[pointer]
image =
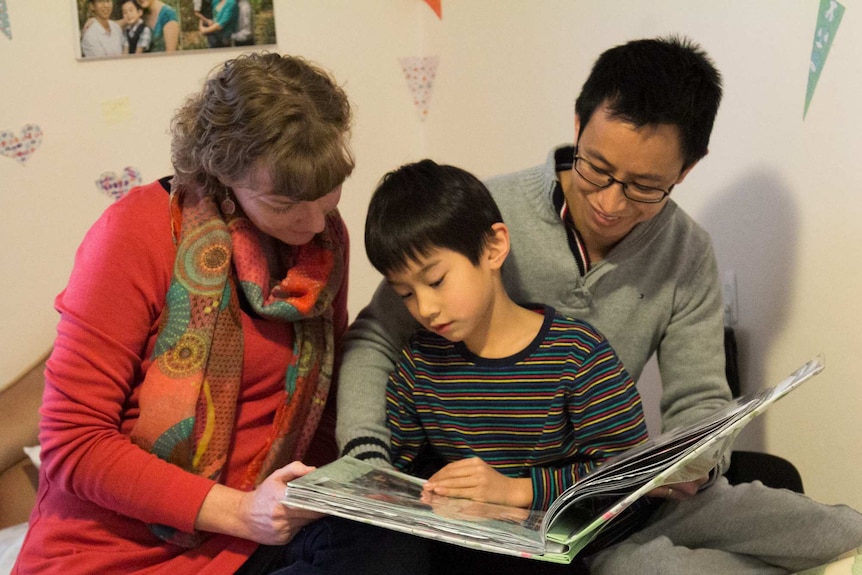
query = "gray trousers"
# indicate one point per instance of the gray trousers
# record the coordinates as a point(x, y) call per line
point(739, 530)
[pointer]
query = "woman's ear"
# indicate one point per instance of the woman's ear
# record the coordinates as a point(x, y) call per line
point(497, 246)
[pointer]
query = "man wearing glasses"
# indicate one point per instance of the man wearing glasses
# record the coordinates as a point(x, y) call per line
point(595, 234)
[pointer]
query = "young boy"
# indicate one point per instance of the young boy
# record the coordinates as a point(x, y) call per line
point(136, 35)
point(519, 403)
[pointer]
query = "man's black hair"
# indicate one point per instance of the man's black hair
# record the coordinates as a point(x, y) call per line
point(657, 81)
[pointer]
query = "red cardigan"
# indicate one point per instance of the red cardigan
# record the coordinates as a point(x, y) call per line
point(97, 490)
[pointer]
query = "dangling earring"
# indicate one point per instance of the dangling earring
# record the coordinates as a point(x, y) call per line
point(228, 207)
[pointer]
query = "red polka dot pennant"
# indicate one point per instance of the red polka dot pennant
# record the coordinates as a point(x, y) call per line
point(420, 72)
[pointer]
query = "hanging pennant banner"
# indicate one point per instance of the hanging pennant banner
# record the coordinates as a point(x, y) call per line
point(117, 187)
point(4, 20)
point(437, 6)
point(420, 72)
point(828, 19)
point(20, 147)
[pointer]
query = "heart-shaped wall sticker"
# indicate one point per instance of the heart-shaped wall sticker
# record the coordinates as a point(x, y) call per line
point(118, 186)
point(20, 147)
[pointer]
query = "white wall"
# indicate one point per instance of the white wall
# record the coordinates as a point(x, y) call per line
point(777, 193)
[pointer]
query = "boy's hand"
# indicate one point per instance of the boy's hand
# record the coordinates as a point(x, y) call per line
point(474, 479)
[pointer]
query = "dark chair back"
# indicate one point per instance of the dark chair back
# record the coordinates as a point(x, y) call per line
point(747, 466)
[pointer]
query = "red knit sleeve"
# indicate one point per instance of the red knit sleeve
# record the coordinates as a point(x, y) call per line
point(109, 316)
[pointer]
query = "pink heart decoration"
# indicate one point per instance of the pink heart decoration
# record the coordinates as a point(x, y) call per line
point(117, 187)
point(20, 148)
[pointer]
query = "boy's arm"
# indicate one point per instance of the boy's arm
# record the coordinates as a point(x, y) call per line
point(408, 435)
point(473, 478)
point(145, 40)
point(606, 417)
point(371, 348)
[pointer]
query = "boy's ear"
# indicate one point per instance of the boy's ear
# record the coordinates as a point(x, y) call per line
point(497, 248)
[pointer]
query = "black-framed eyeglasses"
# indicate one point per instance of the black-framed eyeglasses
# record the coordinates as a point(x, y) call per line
point(632, 190)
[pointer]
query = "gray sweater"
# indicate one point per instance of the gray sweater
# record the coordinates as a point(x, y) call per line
point(656, 291)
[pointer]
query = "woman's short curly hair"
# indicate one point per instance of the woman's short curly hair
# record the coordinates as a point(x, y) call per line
point(264, 111)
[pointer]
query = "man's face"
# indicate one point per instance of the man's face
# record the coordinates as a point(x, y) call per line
point(103, 9)
point(650, 155)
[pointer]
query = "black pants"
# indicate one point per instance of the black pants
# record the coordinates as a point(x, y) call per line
point(335, 546)
point(455, 560)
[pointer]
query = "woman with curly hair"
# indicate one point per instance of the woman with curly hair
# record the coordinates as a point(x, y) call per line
point(198, 337)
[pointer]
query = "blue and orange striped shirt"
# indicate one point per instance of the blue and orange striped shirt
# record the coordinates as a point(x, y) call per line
point(552, 412)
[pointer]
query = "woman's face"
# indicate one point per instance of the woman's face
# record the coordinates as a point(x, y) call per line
point(292, 222)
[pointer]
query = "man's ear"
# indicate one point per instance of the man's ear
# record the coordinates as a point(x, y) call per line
point(577, 128)
point(497, 246)
point(685, 172)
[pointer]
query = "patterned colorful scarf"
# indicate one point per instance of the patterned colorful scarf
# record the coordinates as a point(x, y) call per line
point(189, 395)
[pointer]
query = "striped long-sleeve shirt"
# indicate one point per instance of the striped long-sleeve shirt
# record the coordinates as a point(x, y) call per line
point(551, 412)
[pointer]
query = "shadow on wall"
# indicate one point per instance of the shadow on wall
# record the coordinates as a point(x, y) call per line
point(754, 225)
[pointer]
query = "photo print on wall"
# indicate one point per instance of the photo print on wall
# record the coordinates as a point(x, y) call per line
point(124, 28)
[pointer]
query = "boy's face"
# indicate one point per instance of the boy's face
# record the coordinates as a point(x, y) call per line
point(447, 294)
point(131, 14)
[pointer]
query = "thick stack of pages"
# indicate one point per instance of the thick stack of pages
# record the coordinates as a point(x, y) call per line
point(357, 490)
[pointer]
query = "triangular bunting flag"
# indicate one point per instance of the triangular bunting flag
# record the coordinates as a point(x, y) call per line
point(420, 72)
point(437, 6)
point(828, 19)
point(4, 20)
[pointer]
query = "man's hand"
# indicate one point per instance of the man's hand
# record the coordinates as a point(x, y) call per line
point(679, 491)
point(472, 478)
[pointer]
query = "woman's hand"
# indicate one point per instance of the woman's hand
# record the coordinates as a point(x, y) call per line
point(257, 515)
point(472, 478)
point(269, 520)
